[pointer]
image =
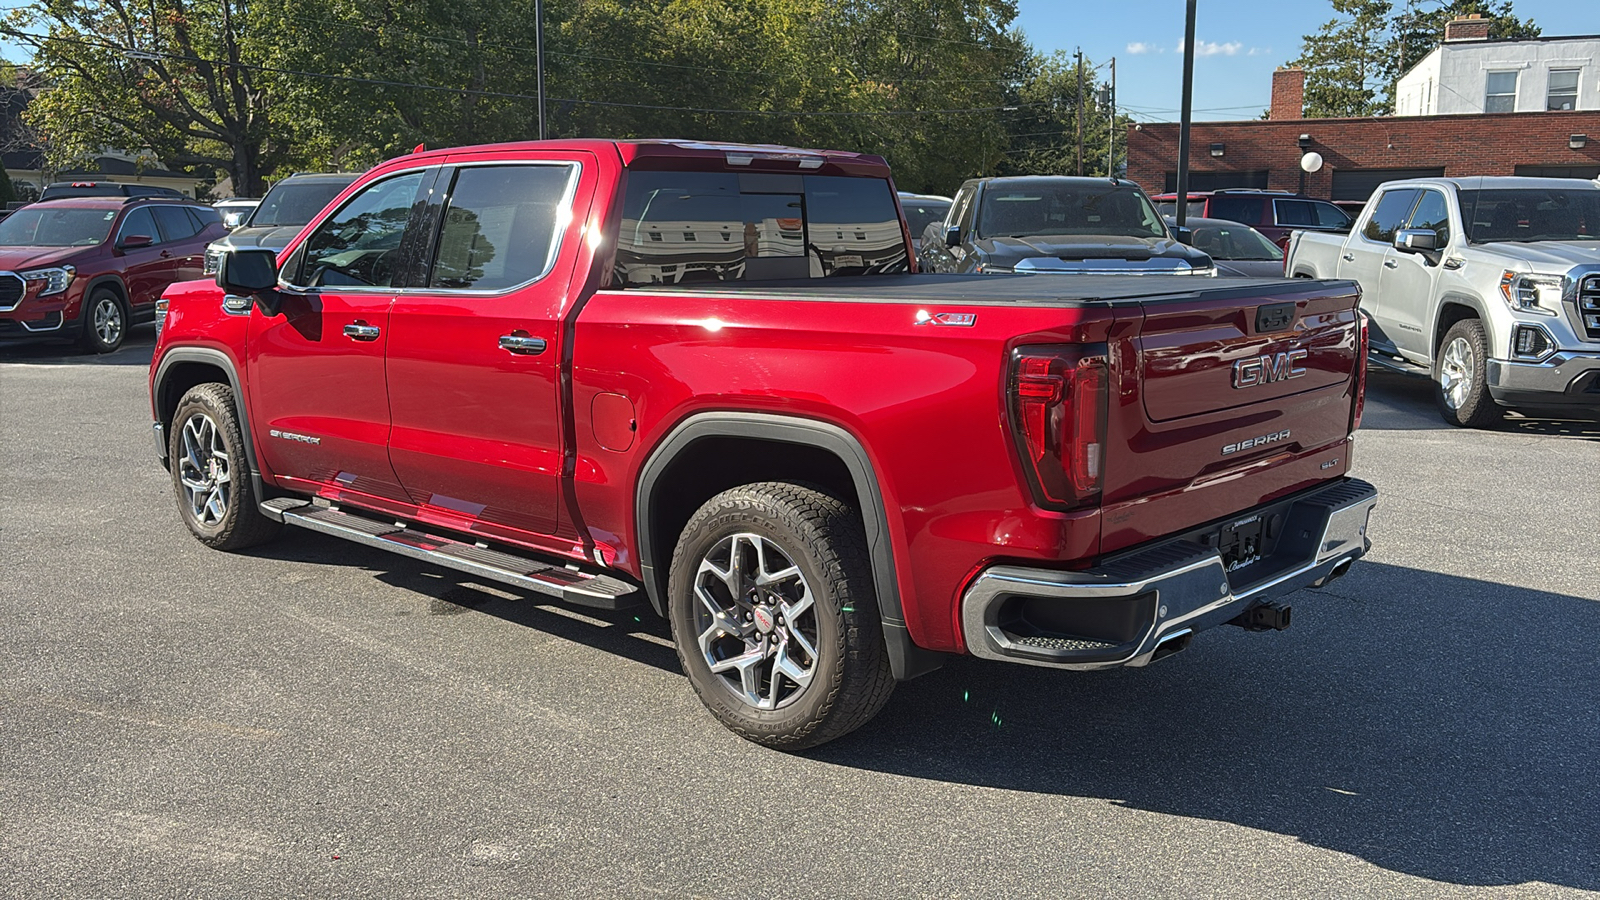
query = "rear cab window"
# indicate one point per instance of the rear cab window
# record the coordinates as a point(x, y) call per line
point(697, 227)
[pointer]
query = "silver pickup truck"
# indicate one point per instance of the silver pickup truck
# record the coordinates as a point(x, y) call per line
point(1492, 285)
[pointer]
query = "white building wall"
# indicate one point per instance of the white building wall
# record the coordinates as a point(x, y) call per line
point(1459, 73)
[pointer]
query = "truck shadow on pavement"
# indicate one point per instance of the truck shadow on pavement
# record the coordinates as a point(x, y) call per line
point(1437, 726)
point(1398, 402)
point(136, 350)
point(636, 633)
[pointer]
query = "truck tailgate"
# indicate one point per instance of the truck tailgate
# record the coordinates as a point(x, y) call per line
point(1227, 398)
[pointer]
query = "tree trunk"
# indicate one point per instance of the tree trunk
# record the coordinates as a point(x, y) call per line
point(246, 170)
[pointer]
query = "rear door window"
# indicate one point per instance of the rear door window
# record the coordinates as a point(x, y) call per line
point(1295, 213)
point(688, 227)
point(1330, 216)
point(1236, 209)
point(502, 225)
point(175, 222)
point(1391, 212)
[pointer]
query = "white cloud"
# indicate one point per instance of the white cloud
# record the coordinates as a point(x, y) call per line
point(1211, 48)
point(1139, 47)
point(1259, 51)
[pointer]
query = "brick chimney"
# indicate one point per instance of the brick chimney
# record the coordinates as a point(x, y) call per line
point(1467, 28)
point(1288, 94)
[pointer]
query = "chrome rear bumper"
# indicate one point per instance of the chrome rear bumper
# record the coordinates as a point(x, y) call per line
point(1121, 613)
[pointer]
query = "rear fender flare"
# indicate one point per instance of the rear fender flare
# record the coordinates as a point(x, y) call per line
point(906, 658)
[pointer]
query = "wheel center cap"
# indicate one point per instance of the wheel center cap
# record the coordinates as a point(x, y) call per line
point(764, 619)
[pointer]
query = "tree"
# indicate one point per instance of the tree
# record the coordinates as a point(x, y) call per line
point(1042, 135)
point(1345, 61)
point(176, 77)
point(1353, 62)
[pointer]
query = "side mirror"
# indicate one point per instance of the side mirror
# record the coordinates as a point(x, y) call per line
point(135, 241)
point(1416, 240)
point(1183, 234)
point(252, 274)
point(952, 236)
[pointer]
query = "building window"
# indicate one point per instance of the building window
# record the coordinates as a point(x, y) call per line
point(1501, 96)
point(1563, 92)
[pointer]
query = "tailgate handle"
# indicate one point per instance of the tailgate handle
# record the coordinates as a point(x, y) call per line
point(1274, 317)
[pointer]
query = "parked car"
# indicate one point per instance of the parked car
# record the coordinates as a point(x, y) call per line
point(1236, 248)
point(490, 359)
point(235, 210)
point(280, 215)
point(1273, 213)
point(88, 268)
point(923, 210)
point(60, 189)
point(1057, 224)
point(1490, 285)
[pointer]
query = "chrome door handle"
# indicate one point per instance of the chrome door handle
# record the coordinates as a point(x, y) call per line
point(1390, 264)
point(521, 344)
point(360, 331)
point(1348, 257)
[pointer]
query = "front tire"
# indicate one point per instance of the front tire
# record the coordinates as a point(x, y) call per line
point(105, 322)
point(211, 474)
point(1461, 377)
point(775, 617)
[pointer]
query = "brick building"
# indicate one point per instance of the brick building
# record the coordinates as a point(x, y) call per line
point(1359, 154)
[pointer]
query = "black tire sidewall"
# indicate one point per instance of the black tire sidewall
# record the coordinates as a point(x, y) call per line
point(214, 401)
point(1479, 409)
point(91, 338)
point(748, 514)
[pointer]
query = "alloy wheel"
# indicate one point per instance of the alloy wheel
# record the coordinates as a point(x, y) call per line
point(205, 471)
point(756, 620)
point(1455, 372)
point(108, 321)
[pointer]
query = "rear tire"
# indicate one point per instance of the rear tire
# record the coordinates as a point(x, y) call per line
point(775, 618)
point(105, 322)
point(1461, 377)
point(211, 473)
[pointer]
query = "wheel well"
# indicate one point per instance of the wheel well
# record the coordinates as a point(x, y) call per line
point(179, 379)
point(1450, 314)
point(712, 465)
point(114, 286)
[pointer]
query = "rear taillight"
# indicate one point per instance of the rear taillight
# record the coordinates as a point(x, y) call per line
point(1361, 374)
point(1058, 399)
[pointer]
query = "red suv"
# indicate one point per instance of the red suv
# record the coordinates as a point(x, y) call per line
point(86, 268)
point(1273, 213)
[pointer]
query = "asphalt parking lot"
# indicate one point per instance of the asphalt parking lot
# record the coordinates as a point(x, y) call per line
point(317, 719)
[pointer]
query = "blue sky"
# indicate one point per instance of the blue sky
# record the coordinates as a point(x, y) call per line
point(1239, 43)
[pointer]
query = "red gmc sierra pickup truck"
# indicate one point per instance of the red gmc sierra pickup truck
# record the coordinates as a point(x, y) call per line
point(707, 377)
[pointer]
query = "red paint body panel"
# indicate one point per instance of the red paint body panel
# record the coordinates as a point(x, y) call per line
point(547, 450)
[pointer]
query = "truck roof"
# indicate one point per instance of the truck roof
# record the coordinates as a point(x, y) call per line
point(1501, 182)
point(724, 153)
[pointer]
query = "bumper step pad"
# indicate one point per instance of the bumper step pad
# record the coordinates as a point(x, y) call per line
point(562, 582)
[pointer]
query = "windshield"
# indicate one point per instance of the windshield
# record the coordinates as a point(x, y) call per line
point(1234, 242)
point(45, 226)
point(1532, 214)
point(295, 202)
point(922, 213)
point(1042, 208)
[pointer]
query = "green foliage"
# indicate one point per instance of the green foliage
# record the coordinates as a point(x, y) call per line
point(8, 191)
point(945, 89)
point(1353, 61)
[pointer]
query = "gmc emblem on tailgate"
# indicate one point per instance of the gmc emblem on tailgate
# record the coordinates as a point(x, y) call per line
point(1267, 369)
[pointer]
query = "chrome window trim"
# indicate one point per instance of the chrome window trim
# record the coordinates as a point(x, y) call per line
point(283, 283)
point(557, 240)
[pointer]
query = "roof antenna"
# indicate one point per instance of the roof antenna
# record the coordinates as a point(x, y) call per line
point(419, 148)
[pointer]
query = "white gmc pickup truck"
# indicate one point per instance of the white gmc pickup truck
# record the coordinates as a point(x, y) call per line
point(1490, 284)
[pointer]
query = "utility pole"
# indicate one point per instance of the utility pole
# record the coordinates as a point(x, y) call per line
point(538, 54)
point(1111, 126)
point(1079, 116)
point(1183, 126)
